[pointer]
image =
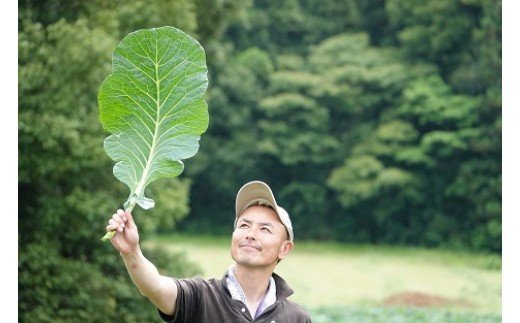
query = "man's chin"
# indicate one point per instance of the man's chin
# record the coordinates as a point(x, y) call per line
point(246, 261)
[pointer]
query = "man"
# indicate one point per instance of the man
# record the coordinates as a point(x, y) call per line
point(249, 290)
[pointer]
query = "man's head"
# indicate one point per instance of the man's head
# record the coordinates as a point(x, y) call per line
point(259, 193)
point(263, 232)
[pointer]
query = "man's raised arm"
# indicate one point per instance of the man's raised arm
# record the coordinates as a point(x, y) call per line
point(160, 290)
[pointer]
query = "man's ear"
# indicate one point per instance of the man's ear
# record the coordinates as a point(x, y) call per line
point(285, 248)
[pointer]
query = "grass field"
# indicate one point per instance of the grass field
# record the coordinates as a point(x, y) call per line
point(371, 282)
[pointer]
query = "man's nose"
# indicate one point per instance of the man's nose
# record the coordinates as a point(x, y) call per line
point(251, 233)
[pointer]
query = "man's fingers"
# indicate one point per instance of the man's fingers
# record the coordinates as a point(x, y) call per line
point(117, 222)
point(121, 214)
point(111, 227)
point(120, 220)
point(129, 220)
point(114, 225)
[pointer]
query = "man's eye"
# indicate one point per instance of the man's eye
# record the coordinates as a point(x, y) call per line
point(266, 229)
point(243, 225)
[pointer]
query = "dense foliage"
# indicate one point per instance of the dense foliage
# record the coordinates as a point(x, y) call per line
point(375, 121)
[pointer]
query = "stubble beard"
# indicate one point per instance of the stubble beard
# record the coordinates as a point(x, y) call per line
point(243, 260)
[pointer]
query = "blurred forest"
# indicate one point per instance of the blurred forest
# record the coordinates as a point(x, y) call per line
point(373, 121)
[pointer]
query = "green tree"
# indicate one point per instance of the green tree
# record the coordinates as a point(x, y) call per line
point(326, 110)
point(377, 185)
point(65, 186)
point(457, 137)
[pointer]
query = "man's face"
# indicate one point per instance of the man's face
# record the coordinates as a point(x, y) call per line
point(259, 239)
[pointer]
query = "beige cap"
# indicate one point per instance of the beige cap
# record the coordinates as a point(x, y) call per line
point(259, 193)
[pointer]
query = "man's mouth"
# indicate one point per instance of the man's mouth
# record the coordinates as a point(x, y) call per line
point(249, 245)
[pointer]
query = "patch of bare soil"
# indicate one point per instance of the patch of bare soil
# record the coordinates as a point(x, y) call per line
point(418, 299)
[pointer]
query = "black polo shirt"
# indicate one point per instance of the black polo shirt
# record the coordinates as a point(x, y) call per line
point(209, 301)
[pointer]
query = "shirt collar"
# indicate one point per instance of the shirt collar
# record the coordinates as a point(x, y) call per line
point(238, 294)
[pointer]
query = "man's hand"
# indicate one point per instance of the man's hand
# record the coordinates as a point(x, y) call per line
point(127, 238)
